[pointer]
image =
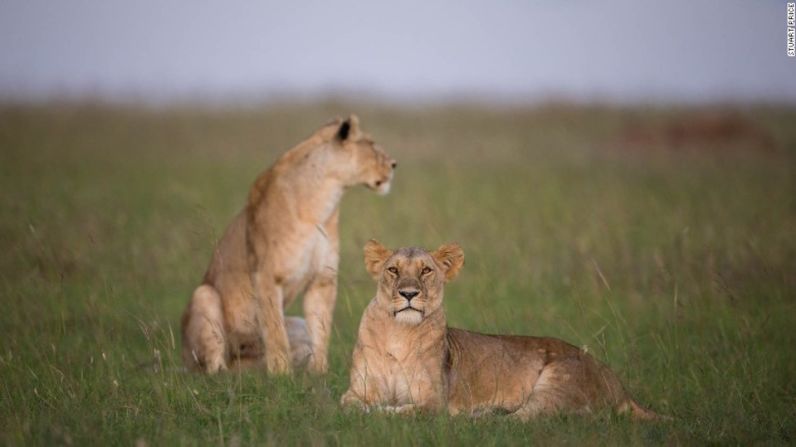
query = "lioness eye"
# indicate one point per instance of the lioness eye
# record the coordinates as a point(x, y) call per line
point(393, 270)
point(426, 270)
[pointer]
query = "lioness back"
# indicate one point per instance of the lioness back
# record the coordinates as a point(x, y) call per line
point(502, 371)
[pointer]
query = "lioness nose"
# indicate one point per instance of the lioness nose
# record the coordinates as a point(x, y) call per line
point(408, 293)
point(394, 164)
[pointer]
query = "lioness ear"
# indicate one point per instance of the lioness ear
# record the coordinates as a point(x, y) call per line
point(349, 129)
point(329, 130)
point(375, 257)
point(451, 258)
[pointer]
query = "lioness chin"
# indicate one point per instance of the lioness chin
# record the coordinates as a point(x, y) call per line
point(283, 243)
point(407, 359)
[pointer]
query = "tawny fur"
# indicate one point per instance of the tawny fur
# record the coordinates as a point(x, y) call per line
point(407, 359)
point(283, 243)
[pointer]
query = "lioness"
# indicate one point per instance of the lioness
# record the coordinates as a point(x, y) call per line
point(407, 359)
point(284, 242)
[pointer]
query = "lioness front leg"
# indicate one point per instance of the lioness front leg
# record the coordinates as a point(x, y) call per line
point(271, 318)
point(364, 391)
point(319, 303)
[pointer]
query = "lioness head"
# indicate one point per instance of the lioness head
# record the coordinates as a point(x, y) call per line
point(411, 280)
point(366, 163)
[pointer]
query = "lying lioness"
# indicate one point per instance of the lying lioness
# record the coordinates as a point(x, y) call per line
point(407, 359)
point(283, 243)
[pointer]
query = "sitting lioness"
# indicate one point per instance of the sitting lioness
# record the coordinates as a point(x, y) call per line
point(407, 359)
point(284, 242)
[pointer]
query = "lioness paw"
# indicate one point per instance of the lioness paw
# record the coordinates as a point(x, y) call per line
point(397, 409)
point(351, 400)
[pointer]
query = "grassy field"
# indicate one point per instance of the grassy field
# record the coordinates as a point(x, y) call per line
point(670, 255)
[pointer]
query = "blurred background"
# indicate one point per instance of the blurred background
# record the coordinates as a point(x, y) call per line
point(619, 173)
point(513, 51)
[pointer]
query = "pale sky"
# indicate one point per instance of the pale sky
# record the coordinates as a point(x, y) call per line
point(676, 50)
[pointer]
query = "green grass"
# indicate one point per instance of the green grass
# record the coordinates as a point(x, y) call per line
point(677, 267)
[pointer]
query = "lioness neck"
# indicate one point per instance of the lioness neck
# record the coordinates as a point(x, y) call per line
point(400, 340)
point(306, 180)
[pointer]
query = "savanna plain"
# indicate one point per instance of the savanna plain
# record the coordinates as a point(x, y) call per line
point(660, 239)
